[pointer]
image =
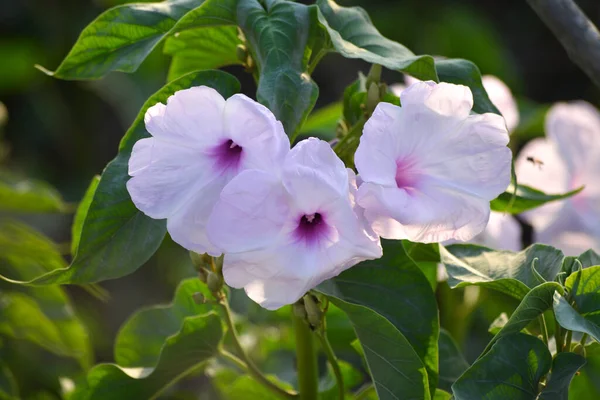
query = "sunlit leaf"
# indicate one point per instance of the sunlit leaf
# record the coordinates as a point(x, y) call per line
point(121, 38)
point(586, 384)
point(526, 198)
point(564, 367)
point(81, 213)
point(505, 271)
point(28, 196)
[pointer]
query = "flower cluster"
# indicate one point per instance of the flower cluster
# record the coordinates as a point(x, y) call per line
point(223, 175)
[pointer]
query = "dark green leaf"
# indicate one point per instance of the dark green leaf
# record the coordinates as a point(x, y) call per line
point(281, 35)
point(121, 38)
point(427, 258)
point(570, 319)
point(354, 36)
point(505, 271)
point(117, 238)
point(43, 315)
point(452, 362)
point(196, 342)
point(201, 48)
point(564, 367)
point(141, 338)
point(512, 369)
point(395, 288)
point(525, 198)
point(28, 196)
point(533, 305)
point(81, 213)
point(589, 259)
point(394, 365)
point(464, 72)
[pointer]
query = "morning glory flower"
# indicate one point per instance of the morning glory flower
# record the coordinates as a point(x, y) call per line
point(284, 232)
point(200, 141)
point(568, 158)
point(430, 168)
point(499, 94)
point(502, 232)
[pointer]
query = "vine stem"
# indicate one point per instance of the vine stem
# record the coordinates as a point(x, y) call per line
point(544, 329)
point(247, 364)
point(568, 341)
point(583, 339)
point(306, 359)
point(333, 362)
point(558, 337)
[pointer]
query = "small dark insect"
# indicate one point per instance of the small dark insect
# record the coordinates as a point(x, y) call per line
point(535, 161)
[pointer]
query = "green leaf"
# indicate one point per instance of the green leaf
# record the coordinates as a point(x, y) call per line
point(452, 362)
point(43, 315)
point(8, 384)
point(533, 305)
point(505, 271)
point(28, 196)
point(395, 288)
point(232, 386)
point(81, 213)
point(570, 319)
point(201, 48)
point(589, 258)
point(427, 258)
point(464, 72)
point(323, 122)
point(139, 342)
point(196, 342)
point(281, 35)
point(525, 198)
point(564, 367)
point(586, 384)
point(441, 395)
point(512, 369)
point(393, 363)
point(354, 36)
point(121, 38)
point(116, 238)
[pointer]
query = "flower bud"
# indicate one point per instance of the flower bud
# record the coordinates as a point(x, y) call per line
point(299, 310)
point(214, 282)
point(314, 313)
point(372, 97)
point(199, 298)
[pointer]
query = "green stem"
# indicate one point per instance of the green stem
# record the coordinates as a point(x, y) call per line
point(247, 364)
point(326, 346)
point(544, 329)
point(558, 336)
point(306, 360)
point(583, 339)
point(568, 342)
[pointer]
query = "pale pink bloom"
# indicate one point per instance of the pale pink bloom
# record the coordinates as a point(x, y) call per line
point(568, 158)
point(199, 142)
point(284, 233)
point(574, 243)
point(502, 232)
point(501, 96)
point(430, 168)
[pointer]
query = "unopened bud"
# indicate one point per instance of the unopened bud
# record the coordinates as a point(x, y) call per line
point(241, 52)
point(214, 282)
point(314, 313)
point(200, 261)
point(202, 275)
point(299, 310)
point(372, 97)
point(199, 298)
point(374, 75)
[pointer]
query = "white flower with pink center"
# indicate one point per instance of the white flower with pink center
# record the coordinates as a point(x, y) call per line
point(200, 141)
point(285, 231)
point(568, 158)
point(430, 168)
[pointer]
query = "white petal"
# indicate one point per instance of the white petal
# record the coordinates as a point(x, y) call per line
point(165, 176)
point(314, 176)
point(380, 145)
point(192, 117)
point(187, 226)
point(502, 232)
point(254, 127)
point(250, 213)
point(575, 128)
point(443, 98)
point(540, 166)
point(501, 96)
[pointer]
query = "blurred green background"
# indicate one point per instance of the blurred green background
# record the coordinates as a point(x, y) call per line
point(65, 132)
